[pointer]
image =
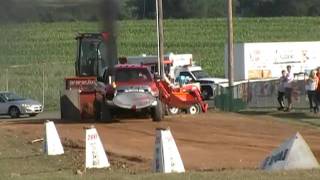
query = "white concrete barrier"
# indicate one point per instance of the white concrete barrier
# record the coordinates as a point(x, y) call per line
point(95, 154)
point(166, 156)
point(294, 153)
point(52, 144)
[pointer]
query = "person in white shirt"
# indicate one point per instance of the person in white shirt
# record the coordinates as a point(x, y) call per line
point(281, 90)
point(311, 85)
point(288, 87)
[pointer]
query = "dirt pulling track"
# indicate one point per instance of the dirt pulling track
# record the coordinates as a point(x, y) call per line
point(214, 140)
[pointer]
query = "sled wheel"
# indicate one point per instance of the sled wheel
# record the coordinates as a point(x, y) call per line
point(194, 109)
point(173, 110)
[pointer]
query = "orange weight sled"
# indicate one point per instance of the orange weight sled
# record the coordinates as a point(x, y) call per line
point(181, 97)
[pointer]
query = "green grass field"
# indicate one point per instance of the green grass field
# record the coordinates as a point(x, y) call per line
point(53, 44)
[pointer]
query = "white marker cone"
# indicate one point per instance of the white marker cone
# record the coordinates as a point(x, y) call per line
point(52, 144)
point(95, 155)
point(166, 156)
point(294, 153)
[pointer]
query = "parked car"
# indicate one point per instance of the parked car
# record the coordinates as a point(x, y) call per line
point(14, 105)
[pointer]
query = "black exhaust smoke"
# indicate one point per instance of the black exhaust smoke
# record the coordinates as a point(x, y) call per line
point(109, 14)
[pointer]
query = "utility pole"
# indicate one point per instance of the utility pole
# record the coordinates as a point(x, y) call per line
point(43, 86)
point(230, 54)
point(230, 44)
point(160, 37)
point(7, 79)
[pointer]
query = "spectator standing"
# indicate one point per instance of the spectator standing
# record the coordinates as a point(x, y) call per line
point(281, 90)
point(288, 88)
point(318, 87)
point(311, 87)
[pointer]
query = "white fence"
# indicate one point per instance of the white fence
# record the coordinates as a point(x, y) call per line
point(41, 82)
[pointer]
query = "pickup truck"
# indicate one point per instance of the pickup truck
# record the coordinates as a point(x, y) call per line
point(133, 89)
point(197, 74)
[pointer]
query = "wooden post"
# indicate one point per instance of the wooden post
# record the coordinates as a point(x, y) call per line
point(160, 37)
point(230, 44)
point(230, 55)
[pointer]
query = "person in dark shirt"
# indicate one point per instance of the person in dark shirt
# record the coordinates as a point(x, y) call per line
point(281, 90)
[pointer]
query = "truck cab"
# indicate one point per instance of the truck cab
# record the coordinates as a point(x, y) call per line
point(134, 78)
point(94, 54)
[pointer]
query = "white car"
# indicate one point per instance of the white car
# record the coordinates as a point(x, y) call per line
point(14, 105)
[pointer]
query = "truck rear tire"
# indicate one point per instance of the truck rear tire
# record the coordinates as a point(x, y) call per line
point(103, 112)
point(157, 113)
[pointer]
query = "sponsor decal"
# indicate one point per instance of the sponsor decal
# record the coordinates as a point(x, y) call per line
point(281, 156)
point(80, 83)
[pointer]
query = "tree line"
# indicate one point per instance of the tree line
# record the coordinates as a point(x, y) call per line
point(90, 10)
